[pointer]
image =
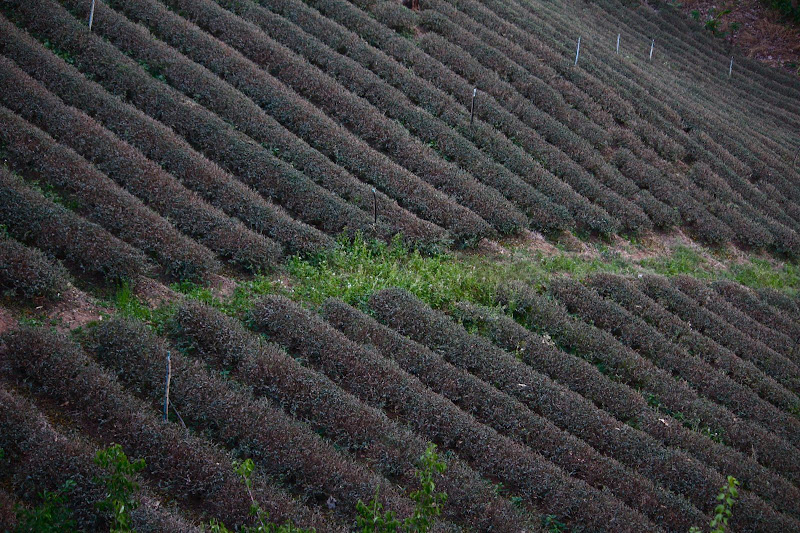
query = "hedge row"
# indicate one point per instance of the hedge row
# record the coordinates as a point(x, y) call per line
point(684, 383)
point(133, 171)
point(565, 408)
point(236, 152)
point(192, 471)
point(85, 247)
point(381, 134)
point(595, 371)
point(705, 321)
point(284, 449)
point(160, 144)
point(241, 110)
point(495, 118)
point(616, 78)
point(380, 382)
point(38, 457)
point(625, 293)
point(362, 431)
point(509, 417)
point(446, 141)
point(782, 301)
point(28, 273)
point(535, 143)
point(39, 158)
point(739, 319)
point(571, 143)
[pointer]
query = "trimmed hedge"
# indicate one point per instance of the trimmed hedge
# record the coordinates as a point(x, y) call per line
point(238, 153)
point(716, 302)
point(380, 382)
point(565, 408)
point(513, 155)
point(133, 171)
point(28, 273)
point(625, 293)
point(379, 132)
point(160, 144)
point(707, 322)
point(39, 158)
point(510, 417)
point(85, 247)
point(221, 97)
point(445, 140)
point(685, 383)
point(38, 457)
point(283, 448)
point(596, 382)
point(362, 431)
point(781, 301)
point(192, 471)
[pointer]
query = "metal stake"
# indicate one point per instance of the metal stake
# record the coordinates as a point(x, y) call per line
point(652, 45)
point(91, 16)
point(618, 36)
point(578, 51)
point(730, 68)
point(166, 388)
point(472, 107)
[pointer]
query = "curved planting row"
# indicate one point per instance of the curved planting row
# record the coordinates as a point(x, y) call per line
point(28, 273)
point(716, 303)
point(85, 247)
point(489, 74)
point(558, 403)
point(363, 431)
point(509, 417)
point(625, 293)
point(446, 141)
point(241, 110)
point(707, 322)
point(665, 362)
point(95, 196)
point(196, 474)
point(517, 156)
point(594, 379)
point(381, 133)
point(772, 317)
point(283, 449)
point(37, 457)
point(133, 171)
point(378, 382)
point(236, 152)
point(159, 143)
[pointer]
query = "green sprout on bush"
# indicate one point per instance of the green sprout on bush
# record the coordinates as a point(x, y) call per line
point(52, 515)
point(372, 518)
point(727, 497)
point(119, 485)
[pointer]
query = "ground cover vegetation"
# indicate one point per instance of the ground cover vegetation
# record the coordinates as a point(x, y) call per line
point(356, 265)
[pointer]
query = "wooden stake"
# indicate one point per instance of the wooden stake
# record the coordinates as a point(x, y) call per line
point(472, 107)
point(375, 207)
point(166, 388)
point(91, 16)
point(578, 51)
point(652, 45)
point(618, 36)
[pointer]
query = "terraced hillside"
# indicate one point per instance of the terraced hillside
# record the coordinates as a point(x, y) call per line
point(313, 210)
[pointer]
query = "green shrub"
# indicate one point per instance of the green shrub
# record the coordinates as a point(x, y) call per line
point(51, 516)
point(120, 488)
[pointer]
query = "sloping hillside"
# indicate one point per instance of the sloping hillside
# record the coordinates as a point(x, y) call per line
point(558, 240)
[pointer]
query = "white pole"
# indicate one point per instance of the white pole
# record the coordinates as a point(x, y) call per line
point(578, 51)
point(472, 107)
point(618, 36)
point(91, 16)
point(652, 45)
point(730, 68)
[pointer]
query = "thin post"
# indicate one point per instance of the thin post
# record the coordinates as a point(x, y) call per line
point(578, 51)
point(472, 107)
point(166, 388)
point(375, 207)
point(730, 68)
point(652, 45)
point(618, 36)
point(91, 15)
